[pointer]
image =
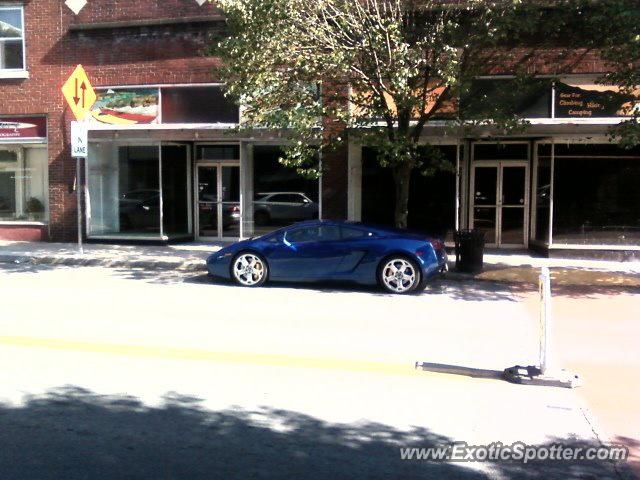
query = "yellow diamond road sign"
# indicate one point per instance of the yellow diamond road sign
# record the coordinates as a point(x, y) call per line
point(79, 93)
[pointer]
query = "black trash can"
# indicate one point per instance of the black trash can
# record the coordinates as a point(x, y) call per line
point(469, 250)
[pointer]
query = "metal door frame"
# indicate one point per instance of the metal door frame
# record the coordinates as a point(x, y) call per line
point(196, 198)
point(500, 166)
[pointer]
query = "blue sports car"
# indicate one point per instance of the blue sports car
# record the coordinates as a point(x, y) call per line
point(398, 261)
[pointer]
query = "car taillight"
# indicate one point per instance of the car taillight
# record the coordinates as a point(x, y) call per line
point(437, 244)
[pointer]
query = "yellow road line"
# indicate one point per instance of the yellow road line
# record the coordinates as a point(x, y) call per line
point(243, 358)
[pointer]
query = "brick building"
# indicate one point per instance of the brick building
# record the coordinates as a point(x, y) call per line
point(165, 165)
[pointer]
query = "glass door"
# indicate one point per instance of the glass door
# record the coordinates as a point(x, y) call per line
point(513, 202)
point(218, 201)
point(499, 202)
point(230, 200)
point(485, 202)
point(207, 208)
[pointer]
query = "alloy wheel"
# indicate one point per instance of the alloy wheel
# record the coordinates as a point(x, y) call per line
point(249, 269)
point(399, 275)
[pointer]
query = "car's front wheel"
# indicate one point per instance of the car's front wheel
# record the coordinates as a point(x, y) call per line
point(249, 269)
point(399, 275)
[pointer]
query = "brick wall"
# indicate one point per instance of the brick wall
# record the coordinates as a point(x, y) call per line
point(36, 96)
point(128, 55)
point(104, 11)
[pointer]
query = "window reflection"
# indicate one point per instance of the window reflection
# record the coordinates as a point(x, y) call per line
point(281, 196)
point(596, 200)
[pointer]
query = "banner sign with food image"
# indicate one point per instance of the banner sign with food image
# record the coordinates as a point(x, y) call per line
point(126, 106)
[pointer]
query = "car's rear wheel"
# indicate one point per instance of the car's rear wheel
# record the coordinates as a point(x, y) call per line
point(249, 269)
point(399, 274)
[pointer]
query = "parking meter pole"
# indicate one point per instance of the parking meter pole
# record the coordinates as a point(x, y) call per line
point(79, 205)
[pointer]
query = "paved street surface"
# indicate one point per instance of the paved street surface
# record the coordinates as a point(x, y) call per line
point(121, 373)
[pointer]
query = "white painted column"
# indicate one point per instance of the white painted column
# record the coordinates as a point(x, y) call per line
point(354, 185)
point(246, 188)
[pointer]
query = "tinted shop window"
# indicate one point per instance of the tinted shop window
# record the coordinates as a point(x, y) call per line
point(218, 152)
point(197, 105)
point(526, 99)
point(596, 201)
point(23, 184)
point(431, 198)
point(124, 190)
point(281, 195)
point(11, 39)
point(594, 150)
point(175, 192)
point(501, 151)
point(543, 197)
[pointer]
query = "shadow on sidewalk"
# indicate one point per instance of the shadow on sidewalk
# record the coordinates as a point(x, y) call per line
point(456, 288)
point(71, 433)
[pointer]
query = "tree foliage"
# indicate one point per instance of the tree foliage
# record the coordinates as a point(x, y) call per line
point(382, 69)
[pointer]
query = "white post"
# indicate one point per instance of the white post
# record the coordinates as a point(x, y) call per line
point(545, 318)
point(79, 150)
point(79, 206)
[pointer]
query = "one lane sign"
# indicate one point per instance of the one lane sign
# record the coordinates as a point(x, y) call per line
point(79, 140)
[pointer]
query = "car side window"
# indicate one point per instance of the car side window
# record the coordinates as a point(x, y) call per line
point(306, 234)
point(314, 234)
point(329, 232)
point(354, 233)
point(286, 198)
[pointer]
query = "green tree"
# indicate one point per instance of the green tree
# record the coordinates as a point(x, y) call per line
point(618, 25)
point(382, 69)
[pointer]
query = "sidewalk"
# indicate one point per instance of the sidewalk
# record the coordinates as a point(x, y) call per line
point(508, 268)
point(566, 273)
point(187, 257)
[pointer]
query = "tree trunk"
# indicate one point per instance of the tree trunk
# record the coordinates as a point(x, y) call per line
point(402, 177)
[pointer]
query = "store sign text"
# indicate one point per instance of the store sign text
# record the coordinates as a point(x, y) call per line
point(23, 127)
point(576, 102)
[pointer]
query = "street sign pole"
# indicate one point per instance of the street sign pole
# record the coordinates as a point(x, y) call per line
point(79, 150)
point(79, 205)
point(80, 97)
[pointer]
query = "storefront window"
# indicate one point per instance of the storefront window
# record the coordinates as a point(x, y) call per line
point(23, 184)
point(432, 198)
point(281, 196)
point(596, 198)
point(526, 98)
point(125, 198)
point(543, 193)
point(175, 190)
point(197, 105)
point(124, 190)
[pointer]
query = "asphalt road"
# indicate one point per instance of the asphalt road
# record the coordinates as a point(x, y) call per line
point(133, 374)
